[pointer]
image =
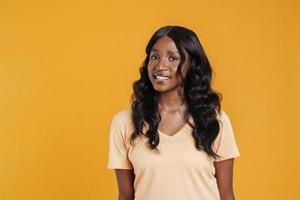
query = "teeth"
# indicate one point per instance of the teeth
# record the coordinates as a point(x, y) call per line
point(162, 77)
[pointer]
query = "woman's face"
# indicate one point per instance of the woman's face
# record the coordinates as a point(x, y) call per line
point(164, 59)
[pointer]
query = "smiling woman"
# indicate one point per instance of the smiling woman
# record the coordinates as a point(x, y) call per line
point(175, 142)
point(163, 64)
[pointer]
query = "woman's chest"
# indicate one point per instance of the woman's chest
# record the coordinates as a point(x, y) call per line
point(173, 155)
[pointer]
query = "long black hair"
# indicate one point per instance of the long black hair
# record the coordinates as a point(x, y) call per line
point(202, 101)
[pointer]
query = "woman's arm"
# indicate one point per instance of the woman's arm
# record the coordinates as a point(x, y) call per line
point(125, 179)
point(224, 176)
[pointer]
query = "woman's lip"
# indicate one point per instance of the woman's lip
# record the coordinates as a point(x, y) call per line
point(161, 79)
point(154, 75)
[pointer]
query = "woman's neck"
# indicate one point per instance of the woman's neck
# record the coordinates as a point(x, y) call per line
point(171, 102)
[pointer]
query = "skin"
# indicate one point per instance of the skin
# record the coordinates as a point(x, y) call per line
point(164, 59)
point(125, 180)
point(224, 176)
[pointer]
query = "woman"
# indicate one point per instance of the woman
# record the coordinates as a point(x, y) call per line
point(175, 142)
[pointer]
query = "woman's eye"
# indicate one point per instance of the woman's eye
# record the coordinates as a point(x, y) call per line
point(154, 57)
point(173, 58)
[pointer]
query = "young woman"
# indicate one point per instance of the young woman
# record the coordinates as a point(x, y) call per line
point(175, 142)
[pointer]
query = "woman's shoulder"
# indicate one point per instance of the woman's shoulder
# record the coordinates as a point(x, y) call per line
point(122, 114)
point(121, 130)
point(123, 117)
point(223, 117)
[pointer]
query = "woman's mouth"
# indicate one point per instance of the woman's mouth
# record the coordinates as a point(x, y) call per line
point(160, 77)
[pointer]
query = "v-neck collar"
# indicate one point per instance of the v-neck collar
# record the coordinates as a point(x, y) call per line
point(175, 135)
point(181, 133)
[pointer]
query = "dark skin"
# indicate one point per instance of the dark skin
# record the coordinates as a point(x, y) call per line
point(162, 66)
point(125, 179)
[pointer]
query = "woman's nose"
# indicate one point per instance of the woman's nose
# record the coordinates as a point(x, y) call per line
point(161, 64)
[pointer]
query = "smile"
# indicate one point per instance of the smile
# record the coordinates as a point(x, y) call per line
point(161, 77)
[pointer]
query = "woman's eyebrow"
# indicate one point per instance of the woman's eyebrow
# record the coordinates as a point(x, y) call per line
point(172, 52)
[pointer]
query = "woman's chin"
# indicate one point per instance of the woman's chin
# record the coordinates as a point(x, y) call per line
point(160, 89)
point(164, 89)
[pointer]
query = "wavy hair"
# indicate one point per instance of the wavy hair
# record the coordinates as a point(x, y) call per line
point(203, 102)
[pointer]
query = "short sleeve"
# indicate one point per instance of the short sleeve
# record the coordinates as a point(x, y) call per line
point(118, 152)
point(226, 146)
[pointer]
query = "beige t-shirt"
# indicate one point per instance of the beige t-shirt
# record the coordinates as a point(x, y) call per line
point(179, 171)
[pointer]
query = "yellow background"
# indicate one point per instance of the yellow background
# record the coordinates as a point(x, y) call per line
point(67, 66)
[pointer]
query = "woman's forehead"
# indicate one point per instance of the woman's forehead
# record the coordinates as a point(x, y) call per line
point(165, 43)
point(157, 50)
